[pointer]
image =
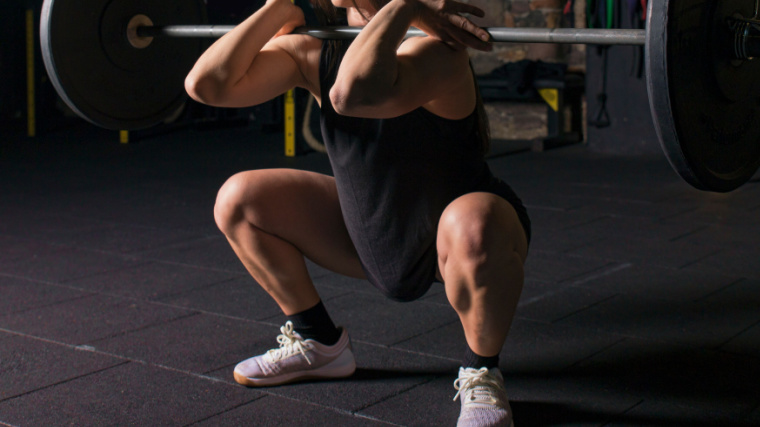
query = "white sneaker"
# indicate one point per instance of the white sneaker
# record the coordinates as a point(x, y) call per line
point(484, 399)
point(297, 359)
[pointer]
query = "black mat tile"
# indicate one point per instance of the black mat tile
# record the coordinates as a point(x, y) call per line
point(724, 236)
point(200, 343)
point(545, 240)
point(152, 280)
point(746, 342)
point(642, 228)
point(28, 364)
point(376, 319)
point(129, 394)
point(68, 264)
point(636, 209)
point(447, 342)
point(657, 282)
point(636, 192)
point(553, 200)
point(20, 295)
point(737, 262)
point(754, 417)
point(657, 412)
point(722, 211)
point(619, 206)
point(42, 225)
point(741, 293)
point(196, 220)
point(428, 404)
point(745, 294)
point(535, 290)
point(122, 238)
point(279, 411)
point(552, 399)
point(6, 335)
point(213, 252)
point(14, 250)
point(89, 318)
point(128, 205)
point(553, 219)
point(552, 267)
point(701, 324)
point(555, 305)
point(536, 348)
point(712, 381)
point(241, 297)
point(626, 248)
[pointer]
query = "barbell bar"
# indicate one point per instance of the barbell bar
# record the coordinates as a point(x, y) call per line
point(121, 63)
point(498, 34)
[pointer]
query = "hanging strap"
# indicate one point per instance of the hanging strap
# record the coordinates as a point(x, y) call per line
point(602, 118)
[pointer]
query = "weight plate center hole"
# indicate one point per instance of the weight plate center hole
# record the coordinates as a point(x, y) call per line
point(134, 38)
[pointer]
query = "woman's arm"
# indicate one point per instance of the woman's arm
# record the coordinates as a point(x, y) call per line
point(251, 64)
point(381, 77)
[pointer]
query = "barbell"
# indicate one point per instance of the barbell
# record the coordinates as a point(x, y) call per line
point(120, 64)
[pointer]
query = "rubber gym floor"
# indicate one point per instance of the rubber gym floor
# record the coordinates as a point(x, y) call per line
point(121, 303)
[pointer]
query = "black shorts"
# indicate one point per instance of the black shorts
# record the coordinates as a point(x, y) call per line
point(420, 282)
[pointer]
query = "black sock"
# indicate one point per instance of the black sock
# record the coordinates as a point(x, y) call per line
point(316, 324)
point(472, 360)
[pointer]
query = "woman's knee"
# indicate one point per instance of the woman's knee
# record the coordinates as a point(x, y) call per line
point(479, 230)
point(230, 202)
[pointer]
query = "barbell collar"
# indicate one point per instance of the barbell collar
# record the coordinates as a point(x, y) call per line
point(498, 34)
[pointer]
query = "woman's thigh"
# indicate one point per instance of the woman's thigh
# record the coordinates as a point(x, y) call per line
point(299, 207)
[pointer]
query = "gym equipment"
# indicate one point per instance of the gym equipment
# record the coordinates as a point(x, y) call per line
point(120, 64)
point(105, 79)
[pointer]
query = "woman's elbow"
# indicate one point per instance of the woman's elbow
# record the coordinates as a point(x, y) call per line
point(339, 98)
point(204, 89)
point(351, 100)
point(195, 88)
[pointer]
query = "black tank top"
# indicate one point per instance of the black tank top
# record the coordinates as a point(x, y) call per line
point(394, 178)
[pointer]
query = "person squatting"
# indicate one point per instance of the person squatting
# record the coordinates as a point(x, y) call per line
point(411, 201)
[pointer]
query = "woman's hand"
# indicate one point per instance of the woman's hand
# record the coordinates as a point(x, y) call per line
point(442, 20)
point(295, 18)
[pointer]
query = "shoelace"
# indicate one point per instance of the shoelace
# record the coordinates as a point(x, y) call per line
point(477, 386)
point(290, 343)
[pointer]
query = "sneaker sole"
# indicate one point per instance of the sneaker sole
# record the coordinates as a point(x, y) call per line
point(343, 366)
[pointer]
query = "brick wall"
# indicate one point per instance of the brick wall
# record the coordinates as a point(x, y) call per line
point(526, 121)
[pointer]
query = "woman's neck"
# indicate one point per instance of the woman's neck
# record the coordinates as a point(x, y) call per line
point(358, 17)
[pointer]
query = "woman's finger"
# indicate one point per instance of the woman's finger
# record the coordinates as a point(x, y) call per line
point(470, 34)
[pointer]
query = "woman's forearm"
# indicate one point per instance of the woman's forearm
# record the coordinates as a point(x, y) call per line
point(370, 66)
point(226, 62)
